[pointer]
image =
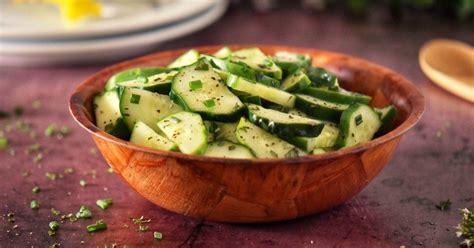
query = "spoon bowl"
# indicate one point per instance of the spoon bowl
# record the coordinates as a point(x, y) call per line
point(449, 64)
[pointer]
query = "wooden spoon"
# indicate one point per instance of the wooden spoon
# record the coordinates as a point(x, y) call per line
point(449, 64)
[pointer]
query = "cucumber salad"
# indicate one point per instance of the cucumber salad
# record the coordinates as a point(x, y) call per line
point(238, 104)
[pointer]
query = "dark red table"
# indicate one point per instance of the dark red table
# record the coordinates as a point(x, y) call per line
point(434, 162)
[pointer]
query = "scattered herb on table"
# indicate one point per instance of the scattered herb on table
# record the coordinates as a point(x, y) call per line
point(444, 205)
point(54, 225)
point(141, 223)
point(84, 213)
point(3, 143)
point(51, 176)
point(38, 158)
point(55, 212)
point(36, 104)
point(34, 204)
point(158, 235)
point(11, 217)
point(466, 228)
point(99, 225)
point(65, 130)
point(83, 183)
point(68, 170)
point(18, 110)
point(104, 203)
point(36, 189)
point(50, 130)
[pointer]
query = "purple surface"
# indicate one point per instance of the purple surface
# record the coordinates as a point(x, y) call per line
point(434, 162)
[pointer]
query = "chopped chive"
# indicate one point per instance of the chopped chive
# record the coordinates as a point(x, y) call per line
point(358, 120)
point(83, 183)
point(444, 205)
point(50, 130)
point(36, 189)
point(209, 103)
point(55, 212)
point(84, 213)
point(54, 225)
point(3, 143)
point(135, 99)
point(195, 85)
point(34, 204)
point(51, 176)
point(99, 225)
point(201, 65)
point(104, 203)
point(158, 235)
point(18, 110)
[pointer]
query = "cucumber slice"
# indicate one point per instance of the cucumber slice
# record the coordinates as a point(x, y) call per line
point(159, 83)
point(243, 70)
point(187, 130)
point(132, 74)
point(327, 138)
point(198, 88)
point(266, 92)
point(215, 62)
point(189, 57)
point(223, 53)
point(295, 82)
point(222, 74)
point(358, 125)
point(145, 136)
point(338, 95)
point(283, 124)
point(227, 149)
point(226, 131)
point(387, 116)
point(148, 107)
point(291, 62)
point(264, 144)
point(320, 109)
point(107, 115)
point(322, 78)
point(257, 60)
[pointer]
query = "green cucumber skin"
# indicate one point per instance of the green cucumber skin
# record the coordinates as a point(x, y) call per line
point(250, 74)
point(387, 120)
point(252, 99)
point(322, 78)
point(215, 62)
point(132, 74)
point(120, 130)
point(336, 97)
point(301, 84)
point(318, 111)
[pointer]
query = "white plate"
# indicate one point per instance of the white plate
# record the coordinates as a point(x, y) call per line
point(19, 22)
point(101, 50)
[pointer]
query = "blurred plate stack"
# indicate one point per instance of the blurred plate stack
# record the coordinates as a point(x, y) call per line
point(129, 28)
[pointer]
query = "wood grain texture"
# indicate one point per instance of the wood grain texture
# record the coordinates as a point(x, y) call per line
point(233, 190)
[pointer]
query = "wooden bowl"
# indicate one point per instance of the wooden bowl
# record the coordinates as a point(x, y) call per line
point(259, 190)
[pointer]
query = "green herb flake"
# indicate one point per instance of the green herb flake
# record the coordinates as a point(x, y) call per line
point(51, 176)
point(54, 225)
point(201, 65)
point(36, 189)
point(83, 183)
point(444, 205)
point(466, 228)
point(209, 103)
point(3, 143)
point(34, 204)
point(141, 223)
point(65, 130)
point(50, 130)
point(358, 120)
point(158, 235)
point(135, 99)
point(104, 203)
point(195, 85)
point(84, 213)
point(99, 225)
point(18, 110)
point(55, 212)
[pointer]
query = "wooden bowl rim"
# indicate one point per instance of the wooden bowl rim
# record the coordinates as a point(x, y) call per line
point(416, 99)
